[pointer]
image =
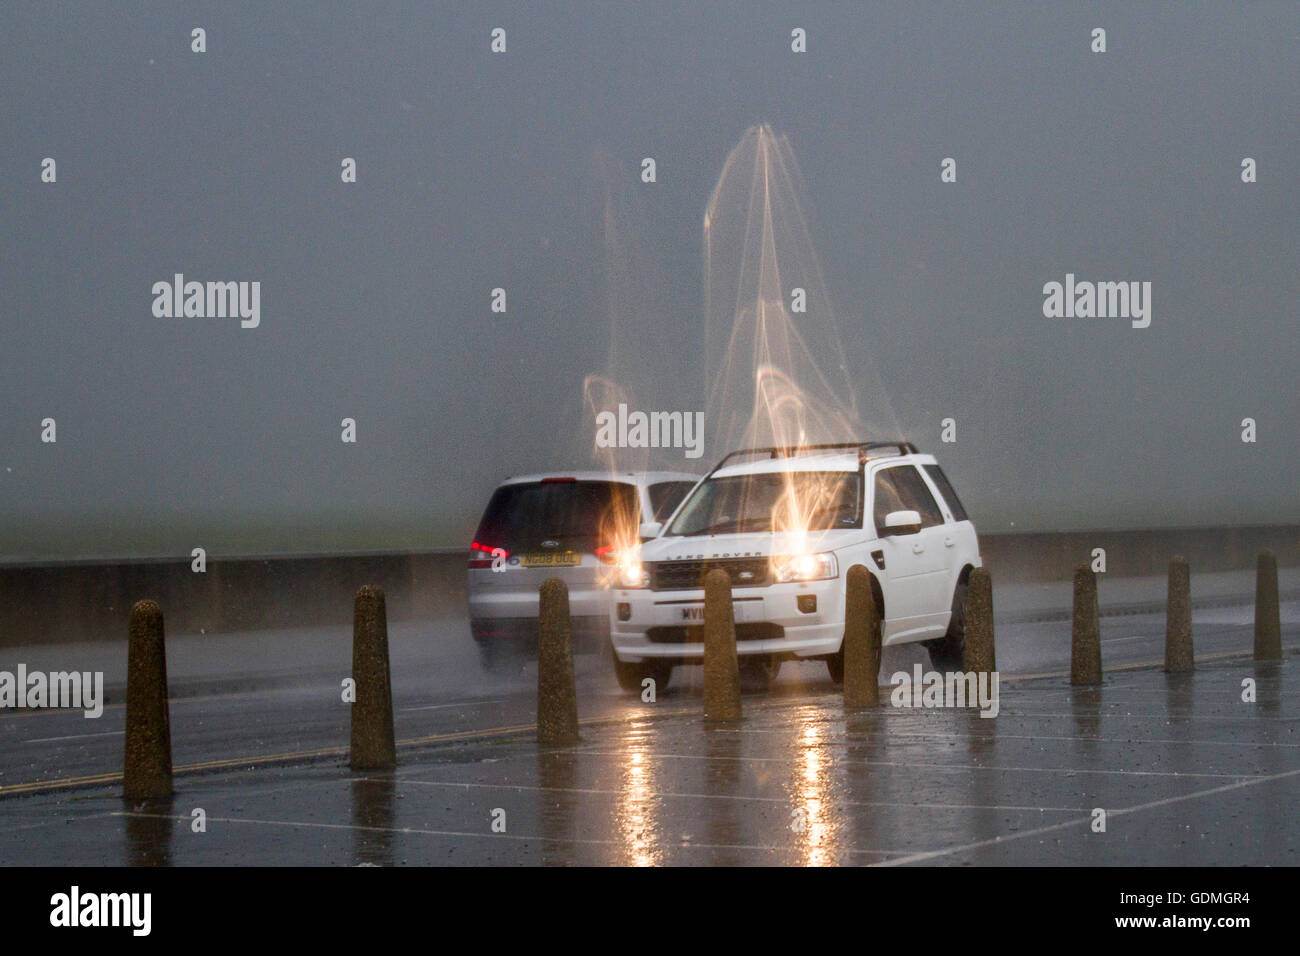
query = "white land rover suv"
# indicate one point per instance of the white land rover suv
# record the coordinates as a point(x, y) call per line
point(786, 525)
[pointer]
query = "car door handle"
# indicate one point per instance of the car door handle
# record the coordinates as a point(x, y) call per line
point(918, 549)
point(947, 542)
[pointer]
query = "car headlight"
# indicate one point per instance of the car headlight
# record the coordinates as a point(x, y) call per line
point(805, 567)
point(631, 573)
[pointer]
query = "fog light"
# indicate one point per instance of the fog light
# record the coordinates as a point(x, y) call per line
point(624, 611)
point(808, 603)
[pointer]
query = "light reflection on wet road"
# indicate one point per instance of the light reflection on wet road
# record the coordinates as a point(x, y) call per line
point(1187, 772)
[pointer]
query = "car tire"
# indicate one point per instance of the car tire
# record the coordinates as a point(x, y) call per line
point(835, 665)
point(490, 657)
point(758, 671)
point(949, 651)
point(631, 674)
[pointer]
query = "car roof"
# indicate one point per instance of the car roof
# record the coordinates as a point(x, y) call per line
point(625, 477)
point(840, 461)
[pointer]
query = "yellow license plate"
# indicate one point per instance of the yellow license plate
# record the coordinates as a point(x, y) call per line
point(547, 559)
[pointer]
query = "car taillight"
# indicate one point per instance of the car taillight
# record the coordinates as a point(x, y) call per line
point(607, 554)
point(484, 555)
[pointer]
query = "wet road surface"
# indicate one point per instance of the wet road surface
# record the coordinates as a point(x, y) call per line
point(1185, 771)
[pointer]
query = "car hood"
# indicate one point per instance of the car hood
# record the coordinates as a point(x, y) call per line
point(763, 544)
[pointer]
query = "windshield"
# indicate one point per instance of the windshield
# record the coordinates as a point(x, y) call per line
point(773, 501)
point(666, 496)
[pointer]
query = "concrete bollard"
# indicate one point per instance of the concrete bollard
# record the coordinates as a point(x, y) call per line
point(1179, 658)
point(147, 773)
point(979, 656)
point(721, 668)
point(373, 746)
point(861, 641)
point(1085, 639)
point(557, 695)
point(1268, 619)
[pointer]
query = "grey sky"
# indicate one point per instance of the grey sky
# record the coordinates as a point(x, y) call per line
point(478, 170)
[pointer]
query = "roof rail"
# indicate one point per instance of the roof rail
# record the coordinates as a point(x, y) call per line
point(863, 448)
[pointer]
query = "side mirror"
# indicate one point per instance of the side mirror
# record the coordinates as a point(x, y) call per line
point(902, 522)
point(651, 529)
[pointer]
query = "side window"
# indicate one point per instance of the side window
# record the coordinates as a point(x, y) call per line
point(945, 488)
point(885, 498)
point(915, 495)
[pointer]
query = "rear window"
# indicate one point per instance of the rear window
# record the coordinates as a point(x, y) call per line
point(665, 496)
point(945, 488)
point(579, 515)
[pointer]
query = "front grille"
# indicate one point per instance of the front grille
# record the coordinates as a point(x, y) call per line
point(688, 575)
point(673, 634)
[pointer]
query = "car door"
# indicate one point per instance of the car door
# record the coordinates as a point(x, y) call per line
point(961, 540)
point(916, 565)
point(896, 562)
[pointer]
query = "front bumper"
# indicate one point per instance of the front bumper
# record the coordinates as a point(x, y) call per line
point(769, 620)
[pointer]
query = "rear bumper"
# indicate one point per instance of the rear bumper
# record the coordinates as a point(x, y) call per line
point(515, 595)
point(518, 635)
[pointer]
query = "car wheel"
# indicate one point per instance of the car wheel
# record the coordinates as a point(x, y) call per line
point(757, 671)
point(631, 674)
point(493, 657)
point(949, 651)
point(835, 665)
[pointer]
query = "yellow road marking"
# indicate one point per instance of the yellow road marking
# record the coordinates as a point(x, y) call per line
point(1142, 665)
point(44, 786)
